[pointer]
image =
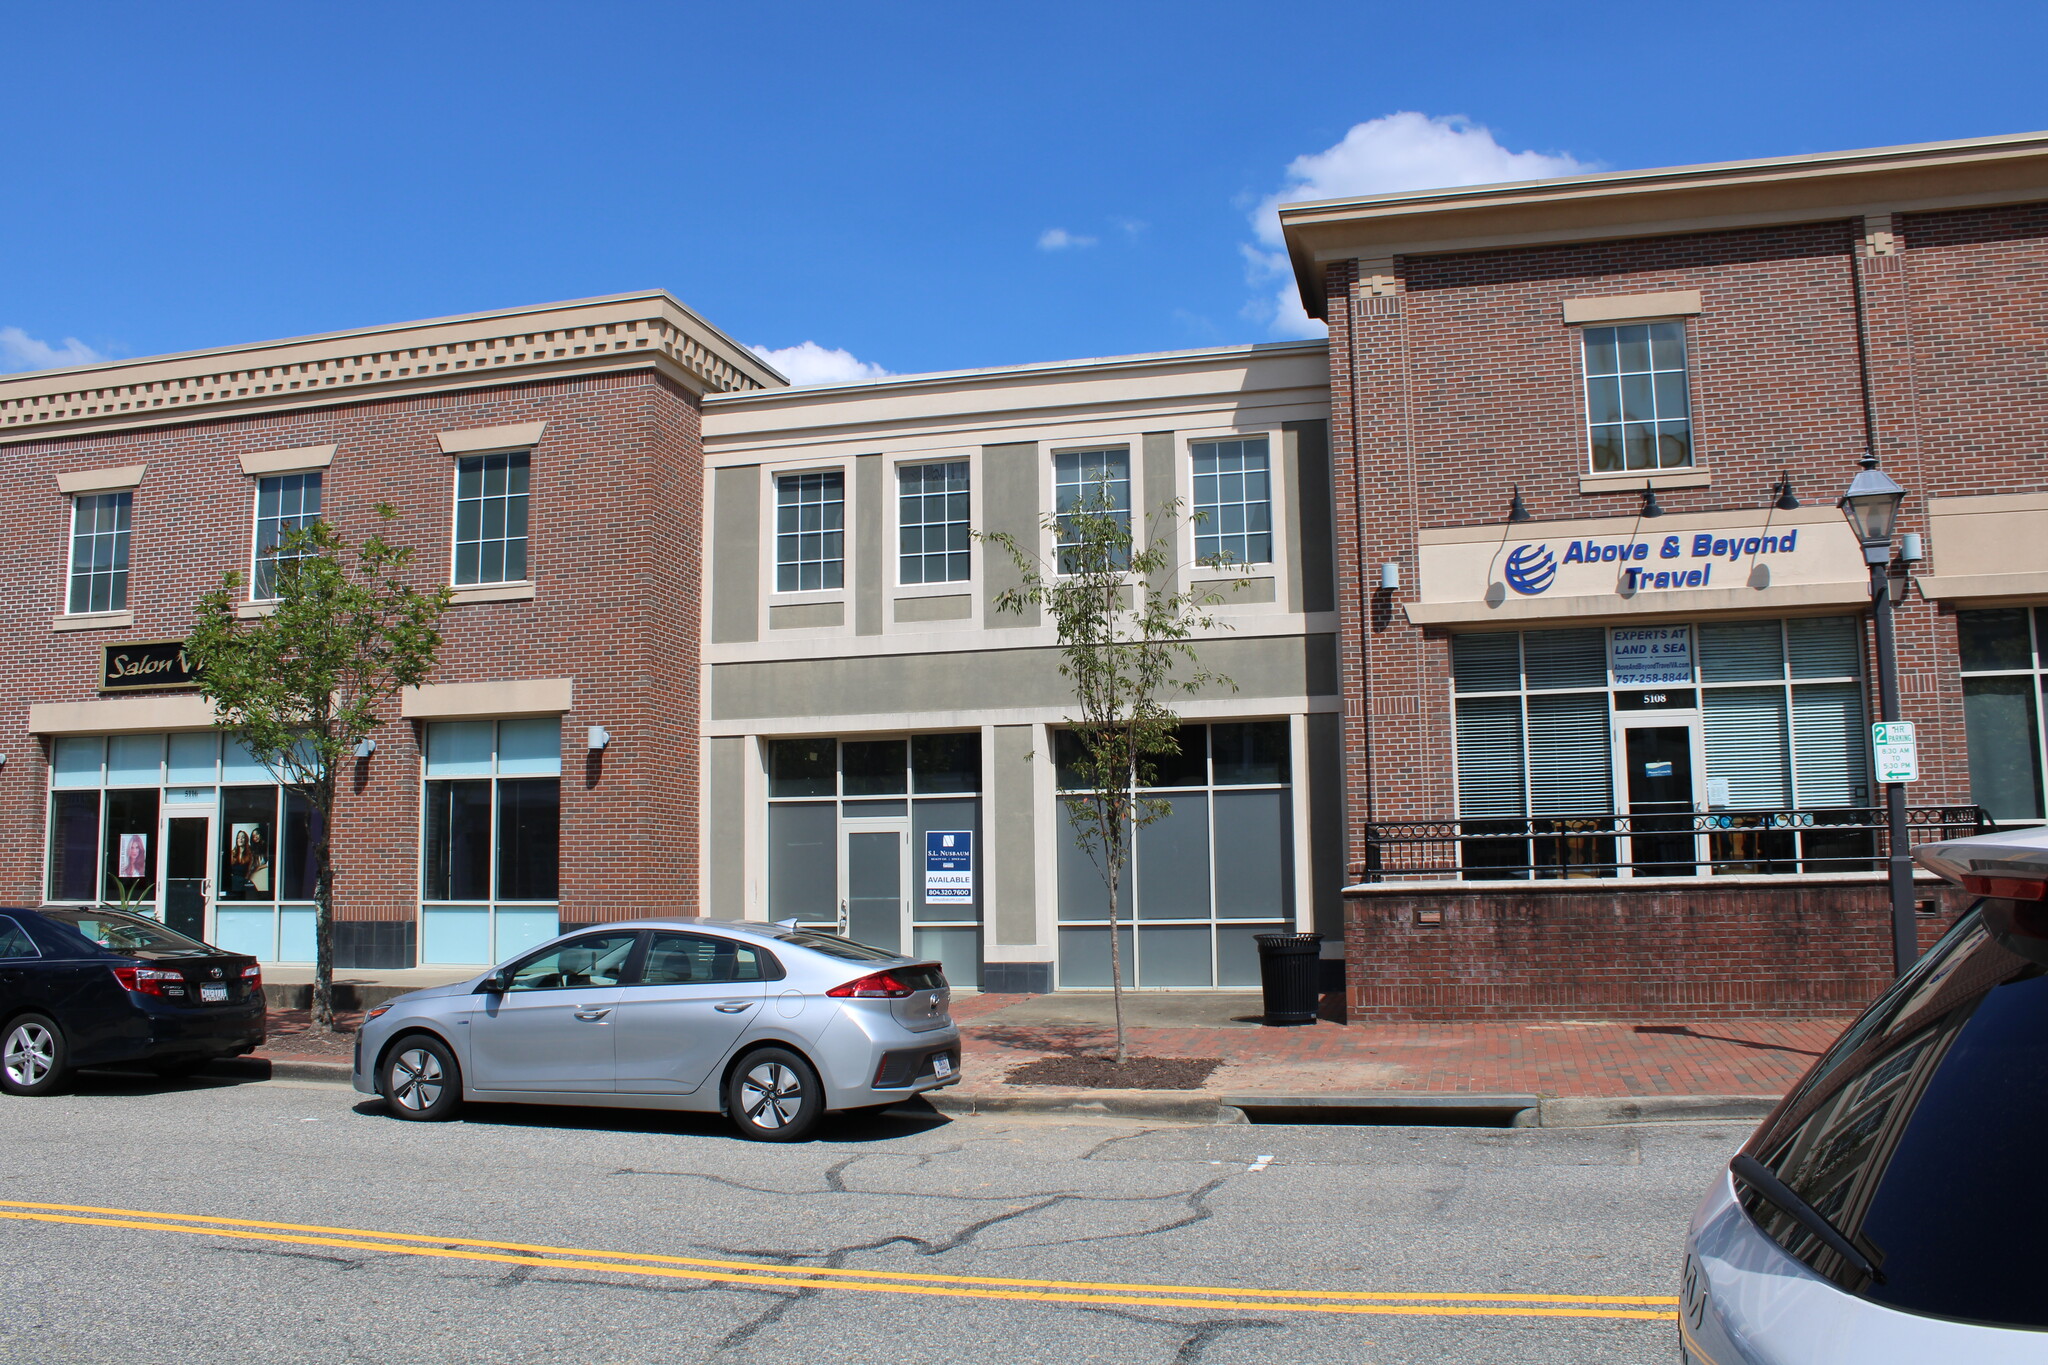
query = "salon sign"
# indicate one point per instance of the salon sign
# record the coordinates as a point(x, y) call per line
point(147, 666)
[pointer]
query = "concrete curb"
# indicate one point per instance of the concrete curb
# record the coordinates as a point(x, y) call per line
point(282, 1069)
point(1598, 1111)
point(1385, 1106)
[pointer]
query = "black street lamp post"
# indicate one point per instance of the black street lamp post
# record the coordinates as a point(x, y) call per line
point(1872, 506)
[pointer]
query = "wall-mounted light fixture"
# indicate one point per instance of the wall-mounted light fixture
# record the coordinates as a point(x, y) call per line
point(598, 738)
point(365, 747)
point(1517, 509)
point(1390, 576)
point(1910, 552)
point(1783, 488)
point(1651, 507)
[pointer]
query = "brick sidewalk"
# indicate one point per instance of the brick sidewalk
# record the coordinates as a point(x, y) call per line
point(1594, 1060)
point(1751, 1057)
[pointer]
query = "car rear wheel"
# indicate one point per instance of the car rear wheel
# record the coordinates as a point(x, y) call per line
point(421, 1081)
point(774, 1096)
point(33, 1057)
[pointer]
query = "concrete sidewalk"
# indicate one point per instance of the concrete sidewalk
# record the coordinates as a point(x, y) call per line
point(1596, 1071)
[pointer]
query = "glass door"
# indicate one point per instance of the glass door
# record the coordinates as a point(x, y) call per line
point(872, 858)
point(1662, 800)
point(187, 873)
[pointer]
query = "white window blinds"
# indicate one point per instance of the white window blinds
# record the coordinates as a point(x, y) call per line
point(1746, 746)
point(1570, 772)
point(1490, 757)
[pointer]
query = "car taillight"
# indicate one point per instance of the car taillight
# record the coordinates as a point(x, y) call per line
point(2006, 888)
point(149, 980)
point(874, 986)
point(253, 976)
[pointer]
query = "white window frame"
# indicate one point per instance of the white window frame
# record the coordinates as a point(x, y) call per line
point(454, 513)
point(1049, 484)
point(256, 525)
point(772, 476)
point(1283, 533)
point(71, 553)
point(1586, 423)
point(894, 477)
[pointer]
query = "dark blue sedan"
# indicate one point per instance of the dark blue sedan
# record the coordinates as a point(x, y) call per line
point(101, 987)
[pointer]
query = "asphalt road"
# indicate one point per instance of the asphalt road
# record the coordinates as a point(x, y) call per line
point(539, 1235)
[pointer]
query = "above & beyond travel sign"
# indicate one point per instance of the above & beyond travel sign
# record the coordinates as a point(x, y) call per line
point(1531, 569)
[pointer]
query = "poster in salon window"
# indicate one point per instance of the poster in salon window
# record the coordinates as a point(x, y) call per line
point(1638, 655)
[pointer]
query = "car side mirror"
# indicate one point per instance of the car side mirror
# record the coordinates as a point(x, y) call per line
point(494, 984)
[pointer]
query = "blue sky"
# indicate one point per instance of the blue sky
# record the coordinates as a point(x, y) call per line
point(922, 186)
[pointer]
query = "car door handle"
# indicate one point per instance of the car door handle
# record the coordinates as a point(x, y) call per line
point(734, 1006)
point(592, 1016)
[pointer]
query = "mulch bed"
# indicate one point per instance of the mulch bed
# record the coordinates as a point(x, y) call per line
point(292, 1034)
point(1100, 1073)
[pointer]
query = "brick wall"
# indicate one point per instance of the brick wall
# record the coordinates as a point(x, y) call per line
point(1553, 951)
point(617, 507)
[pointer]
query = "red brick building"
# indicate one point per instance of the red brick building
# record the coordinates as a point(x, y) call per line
point(545, 462)
point(1604, 637)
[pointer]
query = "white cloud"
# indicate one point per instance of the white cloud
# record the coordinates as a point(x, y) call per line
point(809, 363)
point(20, 351)
point(1403, 151)
point(1059, 239)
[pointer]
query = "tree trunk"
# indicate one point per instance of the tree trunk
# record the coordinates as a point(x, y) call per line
point(1115, 869)
point(323, 916)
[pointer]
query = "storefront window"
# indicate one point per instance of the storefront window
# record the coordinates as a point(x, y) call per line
point(1595, 752)
point(858, 842)
point(185, 827)
point(2002, 689)
point(1203, 879)
point(490, 846)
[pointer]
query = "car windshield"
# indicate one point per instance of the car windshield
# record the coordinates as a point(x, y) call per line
point(838, 947)
point(126, 933)
point(1918, 1136)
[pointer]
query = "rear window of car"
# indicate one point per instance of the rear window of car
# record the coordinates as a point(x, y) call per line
point(14, 940)
point(126, 933)
point(838, 947)
point(1919, 1135)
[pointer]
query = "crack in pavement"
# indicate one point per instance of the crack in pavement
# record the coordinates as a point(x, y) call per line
point(345, 1262)
point(1197, 1341)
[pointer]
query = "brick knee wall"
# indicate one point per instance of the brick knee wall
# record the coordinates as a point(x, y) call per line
point(1550, 951)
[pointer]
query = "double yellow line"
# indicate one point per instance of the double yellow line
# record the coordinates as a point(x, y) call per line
point(1348, 1301)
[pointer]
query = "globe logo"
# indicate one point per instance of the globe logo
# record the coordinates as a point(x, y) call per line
point(1530, 569)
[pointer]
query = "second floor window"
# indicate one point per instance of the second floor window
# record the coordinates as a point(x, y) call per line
point(1637, 412)
point(284, 502)
point(810, 532)
point(99, 552)
point(490, 518)
point(1099, 479)
point(1233, 501)
point(933, 522)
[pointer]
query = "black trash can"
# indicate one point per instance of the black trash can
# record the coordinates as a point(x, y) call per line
point(1289, 972)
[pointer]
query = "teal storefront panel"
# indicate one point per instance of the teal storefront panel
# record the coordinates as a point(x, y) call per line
point(455, 936)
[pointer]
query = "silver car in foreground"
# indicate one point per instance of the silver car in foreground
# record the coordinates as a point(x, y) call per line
point(772, 1025)
point(1894, 1207)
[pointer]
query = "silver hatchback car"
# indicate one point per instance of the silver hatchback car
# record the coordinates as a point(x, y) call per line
point(772, 1025)
point(1894, 1207)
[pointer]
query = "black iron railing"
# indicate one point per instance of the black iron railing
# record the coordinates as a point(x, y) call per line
point(1675, 844)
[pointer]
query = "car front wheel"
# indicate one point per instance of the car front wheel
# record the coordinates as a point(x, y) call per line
point(33, 1057)
point(421, 1081)
point(774, 1096)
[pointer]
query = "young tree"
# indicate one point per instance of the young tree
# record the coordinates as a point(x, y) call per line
point(301, 687)
point(1126, 643)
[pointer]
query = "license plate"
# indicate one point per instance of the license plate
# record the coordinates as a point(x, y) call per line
point(942, 1067)
point(212, 995)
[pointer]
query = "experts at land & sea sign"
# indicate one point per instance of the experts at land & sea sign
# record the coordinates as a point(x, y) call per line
point(1530, 569)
